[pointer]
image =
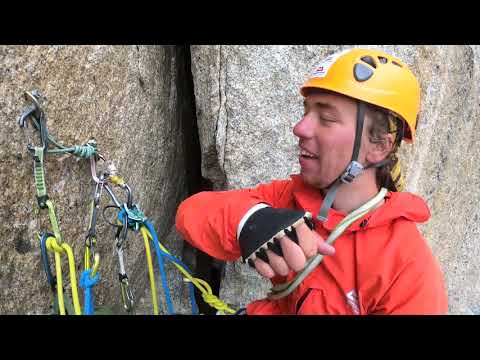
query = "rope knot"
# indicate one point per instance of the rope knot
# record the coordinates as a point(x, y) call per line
point(85, 151)
point(214, 301)
point(86, 281)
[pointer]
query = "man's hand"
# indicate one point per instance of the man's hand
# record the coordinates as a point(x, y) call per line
point(294, 256)
point(276, 240)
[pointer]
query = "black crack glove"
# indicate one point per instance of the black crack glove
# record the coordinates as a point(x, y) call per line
point(264, 227)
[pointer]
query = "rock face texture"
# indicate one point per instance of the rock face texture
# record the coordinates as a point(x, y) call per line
point(248, 101)
point(129, 100)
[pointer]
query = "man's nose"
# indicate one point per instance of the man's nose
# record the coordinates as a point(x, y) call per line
point(303, 129)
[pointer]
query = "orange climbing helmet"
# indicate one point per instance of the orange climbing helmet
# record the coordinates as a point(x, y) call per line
point(374, 77)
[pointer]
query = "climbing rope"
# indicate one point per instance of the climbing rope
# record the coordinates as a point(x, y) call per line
point(88, 280)
point(135, 219)
point(131, 217)
point(151, 275)
point(201, 285)
point(281, 290)
point(64, 248)
point(147, 229)
point(50, 277)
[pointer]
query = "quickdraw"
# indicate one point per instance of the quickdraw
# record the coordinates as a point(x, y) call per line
point(54, 243)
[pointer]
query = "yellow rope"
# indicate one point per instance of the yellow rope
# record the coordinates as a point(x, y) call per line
point(202, 285)
point(96, 264)
point(151, 275)
point(52, 245)
point(58, 269)
point(86, 258)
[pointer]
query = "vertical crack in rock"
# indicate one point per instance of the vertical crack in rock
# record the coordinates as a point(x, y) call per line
point(204, 266)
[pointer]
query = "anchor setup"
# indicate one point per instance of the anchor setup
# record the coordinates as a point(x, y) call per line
point(129, 218)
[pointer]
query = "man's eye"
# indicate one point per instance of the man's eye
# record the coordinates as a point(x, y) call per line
point(325, 119)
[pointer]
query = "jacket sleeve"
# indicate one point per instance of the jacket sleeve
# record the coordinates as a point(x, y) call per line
point(208, 220)
point(418, 288)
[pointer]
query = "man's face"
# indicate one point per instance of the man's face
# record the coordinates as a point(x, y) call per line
point(326, 136)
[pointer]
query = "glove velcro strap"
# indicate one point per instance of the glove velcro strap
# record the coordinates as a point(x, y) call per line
point(265, 226)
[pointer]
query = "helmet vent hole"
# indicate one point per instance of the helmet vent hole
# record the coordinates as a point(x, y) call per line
point(395, 63)
point(369, 60)
point(362, 72)
point(382, 59)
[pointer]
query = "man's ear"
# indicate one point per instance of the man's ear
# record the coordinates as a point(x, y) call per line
point(378, 151)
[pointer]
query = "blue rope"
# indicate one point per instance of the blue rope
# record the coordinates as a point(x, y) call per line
point(87, 283)
point(161, 254)
point(133, 224)
point(163, 276)
point(45, 261)
point(191, 287)
point(193, 302)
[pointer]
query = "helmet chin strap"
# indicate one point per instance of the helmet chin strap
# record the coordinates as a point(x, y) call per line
point(353, 170)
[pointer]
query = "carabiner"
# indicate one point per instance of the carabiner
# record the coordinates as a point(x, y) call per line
point(110, 192)
point(93, 167)
point(36, 115)
point(33, 96)
point(122, 231)
point(91, 238)
point(129, 195)
point(124, 186)
point(118, 181)
point(27, 114)
point(45, 261)
point(33, 109)
point(127, 295)
point(95, 204)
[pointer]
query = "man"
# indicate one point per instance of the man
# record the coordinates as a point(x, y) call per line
point(359, 105)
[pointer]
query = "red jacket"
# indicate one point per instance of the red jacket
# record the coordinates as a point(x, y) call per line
point(381, 265)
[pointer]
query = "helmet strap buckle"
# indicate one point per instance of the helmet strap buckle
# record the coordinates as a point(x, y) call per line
point(353, 170)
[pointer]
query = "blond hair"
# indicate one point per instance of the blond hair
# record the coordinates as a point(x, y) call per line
point(389, 175)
